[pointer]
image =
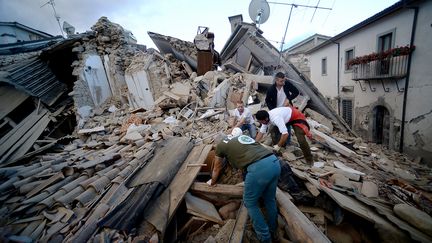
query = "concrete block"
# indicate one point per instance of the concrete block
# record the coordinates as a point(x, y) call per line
point(369, 189)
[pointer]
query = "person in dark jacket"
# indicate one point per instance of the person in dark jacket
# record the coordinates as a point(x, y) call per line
point(280, 94)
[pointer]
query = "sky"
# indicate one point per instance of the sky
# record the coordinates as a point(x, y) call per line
point(181, 18)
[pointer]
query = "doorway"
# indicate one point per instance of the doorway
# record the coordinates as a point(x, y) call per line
point(381, 125)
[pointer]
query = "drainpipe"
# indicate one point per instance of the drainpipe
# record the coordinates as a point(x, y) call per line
point(414, 25)
point(338, 75)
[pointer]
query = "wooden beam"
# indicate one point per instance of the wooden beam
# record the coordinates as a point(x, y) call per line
point(333, 144)
point(174, 194)
point(301, 228)
point(238, 230)
point(202, 208)
point(219, 189)
point(18, 146)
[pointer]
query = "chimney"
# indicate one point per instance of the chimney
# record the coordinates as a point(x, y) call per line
point(235, 20)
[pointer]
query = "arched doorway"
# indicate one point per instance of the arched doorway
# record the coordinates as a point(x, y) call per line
point(381, 125)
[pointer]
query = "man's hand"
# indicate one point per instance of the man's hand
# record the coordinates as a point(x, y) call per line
point(211, 183)
point(276, 148)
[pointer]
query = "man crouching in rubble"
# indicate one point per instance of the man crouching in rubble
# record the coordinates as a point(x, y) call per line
point(263, 170)
point(283, 118)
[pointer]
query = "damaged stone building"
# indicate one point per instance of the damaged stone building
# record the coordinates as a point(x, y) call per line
point(296, 54)
point(382, 85)
point(117, 143)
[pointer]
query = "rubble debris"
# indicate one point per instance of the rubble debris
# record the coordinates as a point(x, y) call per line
point(415, 217)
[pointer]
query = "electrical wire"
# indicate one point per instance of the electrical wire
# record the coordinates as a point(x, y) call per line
point(315, 10)
point(334, 1)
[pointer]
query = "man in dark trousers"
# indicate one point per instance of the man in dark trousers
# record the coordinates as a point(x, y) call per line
point(280, 94)
point(263, 170)
point(281, 118)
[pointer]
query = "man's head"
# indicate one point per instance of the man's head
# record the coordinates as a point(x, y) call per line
point(240, 106)
point(262, 117)
point(280, 79)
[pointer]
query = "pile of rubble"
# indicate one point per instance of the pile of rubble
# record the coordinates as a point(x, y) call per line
point(136, 166)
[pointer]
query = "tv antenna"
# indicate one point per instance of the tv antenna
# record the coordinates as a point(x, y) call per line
point(259, 11)
point(289, 18)
point(57, 17)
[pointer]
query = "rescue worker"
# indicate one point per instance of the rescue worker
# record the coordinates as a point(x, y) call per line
point(244, 119)
point(283, 117)
point(263, 170)
point(280, 94)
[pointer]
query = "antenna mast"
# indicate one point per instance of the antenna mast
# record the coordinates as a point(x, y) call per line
point(289, 18)
point(56, 16)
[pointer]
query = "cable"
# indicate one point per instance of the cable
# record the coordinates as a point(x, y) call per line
point(315, 10)
point(334, 1)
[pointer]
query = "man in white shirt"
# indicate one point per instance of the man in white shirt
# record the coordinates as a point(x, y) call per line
point(282, 117)
point(244, 119)
point(280, 94)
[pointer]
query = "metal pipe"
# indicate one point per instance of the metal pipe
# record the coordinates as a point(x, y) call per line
point(338, 75)
point(414, 25)
point(286, 29)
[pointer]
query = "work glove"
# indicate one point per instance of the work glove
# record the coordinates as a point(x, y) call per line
point(276, 148)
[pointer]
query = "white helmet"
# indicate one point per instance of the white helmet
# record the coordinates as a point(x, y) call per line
point(236, 132)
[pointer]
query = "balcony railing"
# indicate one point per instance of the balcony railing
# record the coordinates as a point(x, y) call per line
point(387, 68)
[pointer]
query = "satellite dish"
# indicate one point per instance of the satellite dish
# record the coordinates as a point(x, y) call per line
point(69, 29)
point(259, 11)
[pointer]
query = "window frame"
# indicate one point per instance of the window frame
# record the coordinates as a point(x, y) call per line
point(344, 114)
point(346, 68)
point(324, 70)
point(382, 34)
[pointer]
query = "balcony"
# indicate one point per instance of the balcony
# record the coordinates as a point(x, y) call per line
point(391, 64)
point(388, 68)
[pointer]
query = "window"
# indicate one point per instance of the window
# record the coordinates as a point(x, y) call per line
point(349, 55)
point(324, 66)
point(384, 44)
point(347, 111)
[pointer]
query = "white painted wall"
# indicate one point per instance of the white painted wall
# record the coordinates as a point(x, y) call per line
point(94, 74)
point(326, 84)
point(139, 89)
point(418, 130)
point(20, 35)
point(419, 102)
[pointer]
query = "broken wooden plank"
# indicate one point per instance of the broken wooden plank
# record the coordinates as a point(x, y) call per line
point(238, 230)
point(172, 96)
point(220, 189)
point(24, 142)
point(30, 140)
point(202, 208)
point(18, 131)
point(91, 130)
point(312, 189)
point(164, 208)
point(386, 231)
point(345, 168)
point(191, 225)
point(314, 210)
point(301, 228)
point(332, 143)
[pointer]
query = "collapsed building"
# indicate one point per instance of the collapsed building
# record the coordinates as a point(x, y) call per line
point(134, 167)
